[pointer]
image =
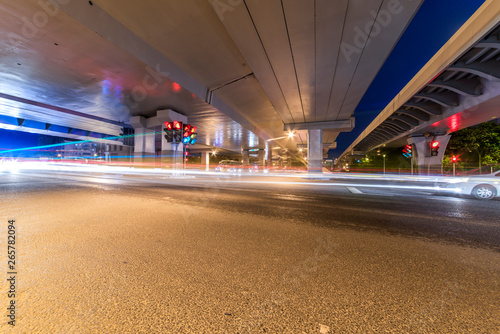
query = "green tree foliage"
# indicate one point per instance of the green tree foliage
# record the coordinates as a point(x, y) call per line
point(481, 143)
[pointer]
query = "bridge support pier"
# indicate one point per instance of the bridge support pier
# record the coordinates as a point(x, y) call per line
point(246, 158)
point(428, 164)
point(315, 151)
point(262, 158)
point(205, 160)
point(144, 142)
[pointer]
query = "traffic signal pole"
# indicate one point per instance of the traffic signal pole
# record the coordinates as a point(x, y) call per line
point(412, 164)
point(177, 132)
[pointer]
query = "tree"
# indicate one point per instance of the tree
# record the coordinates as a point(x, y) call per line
point(483, 140)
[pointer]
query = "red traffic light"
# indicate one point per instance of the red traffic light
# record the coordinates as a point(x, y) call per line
point(193, 129)
point(434, 144)
point(454, 159)
point(177, 125)
point(168, 126)
point(187, 127)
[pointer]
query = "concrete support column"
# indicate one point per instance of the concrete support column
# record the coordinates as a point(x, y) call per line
point(268, 155)
point(262, 158)
point(246, 158)
point(205, 159)
point(315, 151)
point(144, 141)
point(428, 164)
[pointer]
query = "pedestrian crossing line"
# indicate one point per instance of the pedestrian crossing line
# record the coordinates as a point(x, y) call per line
point(354, 190)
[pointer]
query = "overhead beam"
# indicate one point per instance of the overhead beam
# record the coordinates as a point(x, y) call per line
point(416, 114)
point(400, 124)
point(377, 136)
point(393, 126)
point(42, 131)
point(490, 43)
point(405, 119)
point(430, 108)
point(466, 87)
point(446, 99)
point(341, 126)
point(488, 70)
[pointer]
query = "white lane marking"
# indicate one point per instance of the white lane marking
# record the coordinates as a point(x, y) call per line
point(354, 190)
point(452, 190)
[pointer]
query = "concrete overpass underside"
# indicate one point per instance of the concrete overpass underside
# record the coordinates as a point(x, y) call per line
point(239, 70)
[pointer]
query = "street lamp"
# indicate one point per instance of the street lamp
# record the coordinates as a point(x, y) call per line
point(384, 163)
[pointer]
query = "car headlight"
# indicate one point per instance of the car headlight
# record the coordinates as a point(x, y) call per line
point(459, 180)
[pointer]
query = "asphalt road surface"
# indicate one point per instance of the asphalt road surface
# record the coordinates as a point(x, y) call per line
point(133, 253)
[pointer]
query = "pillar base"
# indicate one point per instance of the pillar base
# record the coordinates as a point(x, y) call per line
point(315, 166)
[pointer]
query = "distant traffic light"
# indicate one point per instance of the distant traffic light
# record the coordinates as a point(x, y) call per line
point(187, 132)
point(177, 131)
point(169, 134)
point(434, 148)
point(407, 151)
point(454, 159)
point(192, 138)
point(189, 136)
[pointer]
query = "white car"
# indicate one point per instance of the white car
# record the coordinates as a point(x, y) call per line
point(480, 186)
point(229, 166)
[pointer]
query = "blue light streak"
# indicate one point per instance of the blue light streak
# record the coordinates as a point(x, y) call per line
point(76, 142)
